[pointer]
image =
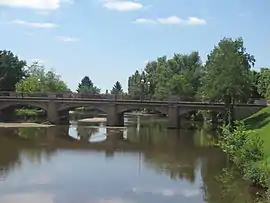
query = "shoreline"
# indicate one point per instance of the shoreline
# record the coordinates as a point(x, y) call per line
point(24, 125)
point(92, 120)
point(252, 159)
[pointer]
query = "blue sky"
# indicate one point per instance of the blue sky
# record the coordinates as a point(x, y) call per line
point(109, 39)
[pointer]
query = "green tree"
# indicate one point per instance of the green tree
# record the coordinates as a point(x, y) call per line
point(227, 72)
point(30, 84)
point(179, 76)
point(12, 70)
point(180, 84)
point(264, 82)
point(87, 86)
point(40, 81)
point(255, 77)
point(117, 88)
point(134, 85)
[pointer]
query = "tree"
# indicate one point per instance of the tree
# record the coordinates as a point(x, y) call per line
point(263, 83)
point(12, 70)
point(227, 73)
point(40, 81)
point(117, 88)
point(255, 78)
point(134, 85)
point(87, 86)
point(179, 76)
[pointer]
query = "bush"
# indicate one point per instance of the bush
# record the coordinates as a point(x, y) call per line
point(258, 172)
point(245, 150)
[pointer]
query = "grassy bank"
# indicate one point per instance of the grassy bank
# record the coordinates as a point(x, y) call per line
point(259, 123)
point(247, 145)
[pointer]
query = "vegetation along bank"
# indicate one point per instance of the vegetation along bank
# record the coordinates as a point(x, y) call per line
point(247, 145)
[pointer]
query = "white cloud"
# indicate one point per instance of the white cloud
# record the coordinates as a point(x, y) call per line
point(67, 39)
point(196, 21)
point(35, 4)
point(172, 20)
point(35, 24)
point(121, 5)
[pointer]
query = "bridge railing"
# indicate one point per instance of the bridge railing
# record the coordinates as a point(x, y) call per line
point(74, 95)
point(89, 96)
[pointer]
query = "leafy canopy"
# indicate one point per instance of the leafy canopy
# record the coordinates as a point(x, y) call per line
point(12, 70)
point(227, 73)
point(179, 76)
point(40, 81)
point(264, 82)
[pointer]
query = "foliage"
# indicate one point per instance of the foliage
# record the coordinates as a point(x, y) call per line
point(178, 76)
point(264, 82)
point(226, 77)
point(245, 150)
point(134, 85)
point(117, 88)
point(12, 70)
point(227, 72)
point(255, 92)
point(87, 86)
point(29, 112)
point(259, 123)
point(30, 84)
point(40, 81)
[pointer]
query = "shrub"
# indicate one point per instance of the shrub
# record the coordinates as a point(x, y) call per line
point(245, 150)
point(257, 172)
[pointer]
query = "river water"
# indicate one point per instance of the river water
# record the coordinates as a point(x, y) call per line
point(143, 163)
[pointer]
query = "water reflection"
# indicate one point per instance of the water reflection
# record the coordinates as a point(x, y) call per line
point(152, 164)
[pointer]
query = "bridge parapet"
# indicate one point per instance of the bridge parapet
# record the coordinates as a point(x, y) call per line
point(113, 97)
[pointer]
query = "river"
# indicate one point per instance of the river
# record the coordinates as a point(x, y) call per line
point(143, 163)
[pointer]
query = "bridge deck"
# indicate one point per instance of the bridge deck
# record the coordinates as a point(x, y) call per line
point(118, 101)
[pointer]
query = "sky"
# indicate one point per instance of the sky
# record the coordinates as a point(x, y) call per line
point(108, 40)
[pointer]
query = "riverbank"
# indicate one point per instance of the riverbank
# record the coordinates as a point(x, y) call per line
point(259, 123)
point(24, 125)
point(247, 145)
point(93, 120)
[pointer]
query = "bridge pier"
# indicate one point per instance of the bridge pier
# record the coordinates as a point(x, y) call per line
point(214, 119)
point(52, 113)
point(63, 117)
point(173, 117)
point(113, 117)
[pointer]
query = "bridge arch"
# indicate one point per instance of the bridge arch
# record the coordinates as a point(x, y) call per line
point(69, 107)
point(161, 110)
point(21, 105)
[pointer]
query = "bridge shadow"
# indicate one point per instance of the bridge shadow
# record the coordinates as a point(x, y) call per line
point(11, 113)
point(259, 121)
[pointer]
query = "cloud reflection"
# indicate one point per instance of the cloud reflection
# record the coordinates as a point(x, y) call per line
point(186, 192)
point(27, 198)
point(116, 200)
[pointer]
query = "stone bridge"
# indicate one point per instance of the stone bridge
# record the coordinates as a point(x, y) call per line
point(57, 109)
